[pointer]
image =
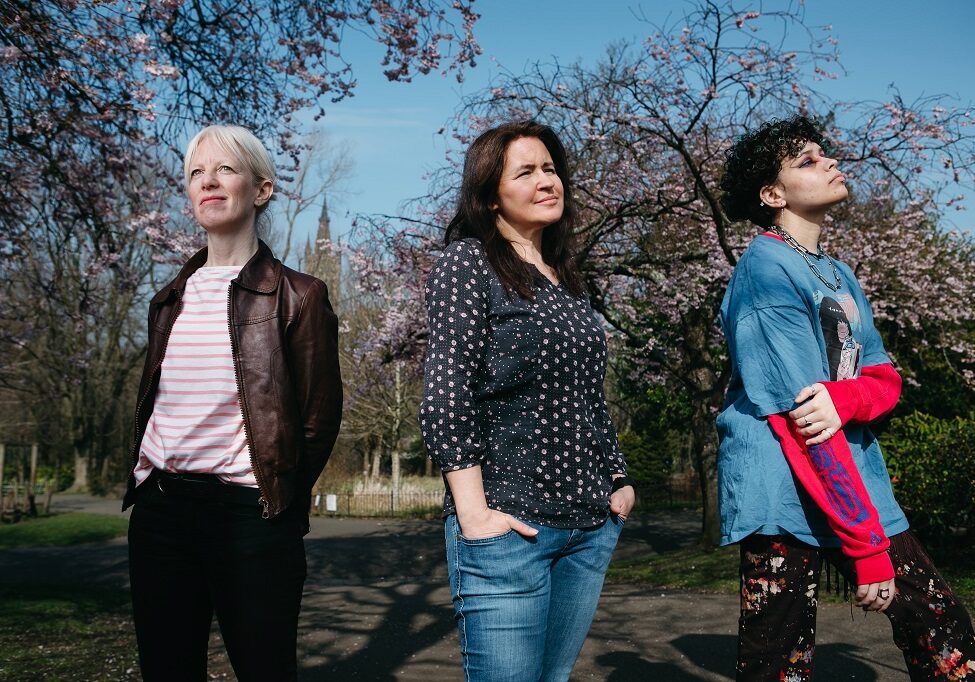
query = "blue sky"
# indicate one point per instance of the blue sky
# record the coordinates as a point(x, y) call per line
point(922, 47)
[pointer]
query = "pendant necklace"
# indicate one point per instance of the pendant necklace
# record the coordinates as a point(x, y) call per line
point(806, 253)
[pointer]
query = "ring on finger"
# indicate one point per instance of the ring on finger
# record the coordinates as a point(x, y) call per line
point(884, 593)
point(808, 423)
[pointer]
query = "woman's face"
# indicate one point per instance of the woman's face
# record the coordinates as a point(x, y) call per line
point(530, 191)
point(810, 182)
point(224, 193)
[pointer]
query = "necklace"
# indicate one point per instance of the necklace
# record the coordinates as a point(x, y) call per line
point(806, 253)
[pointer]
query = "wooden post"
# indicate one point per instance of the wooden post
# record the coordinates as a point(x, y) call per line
point(19, 482)
point(48, 492)
point(394, 494)
point(32, 482)
point(52, 484)
point(3, 456)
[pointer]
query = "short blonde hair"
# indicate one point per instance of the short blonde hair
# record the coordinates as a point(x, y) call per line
point(238, 141)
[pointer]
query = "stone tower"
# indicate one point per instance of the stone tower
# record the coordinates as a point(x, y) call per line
point(324, 263)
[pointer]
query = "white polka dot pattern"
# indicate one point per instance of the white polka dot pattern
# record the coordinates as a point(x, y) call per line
point(516, 387)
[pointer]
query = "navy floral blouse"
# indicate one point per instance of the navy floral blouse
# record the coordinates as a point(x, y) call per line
point(516, 386)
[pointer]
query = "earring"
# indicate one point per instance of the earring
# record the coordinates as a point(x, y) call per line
point(762, 204)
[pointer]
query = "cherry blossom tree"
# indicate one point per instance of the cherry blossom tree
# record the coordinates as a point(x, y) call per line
point(647, 128)
point(92, 90)
point(384, 339)
point(98, 100)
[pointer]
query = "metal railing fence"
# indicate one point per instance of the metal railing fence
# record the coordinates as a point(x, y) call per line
point(390, 503)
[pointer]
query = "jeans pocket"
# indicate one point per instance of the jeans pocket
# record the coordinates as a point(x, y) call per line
point(490, 540)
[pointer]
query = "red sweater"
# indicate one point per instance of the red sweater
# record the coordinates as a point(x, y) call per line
point(828, 473)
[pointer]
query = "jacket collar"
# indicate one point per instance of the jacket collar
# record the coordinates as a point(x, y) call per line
point(261, 273)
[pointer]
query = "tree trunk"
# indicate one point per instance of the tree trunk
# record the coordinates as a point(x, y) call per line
point(396, 478)
point(707, 389)
point(80, 484)
point(3, 463)
point(377, 461)
point(705, 449)
point(32, 483)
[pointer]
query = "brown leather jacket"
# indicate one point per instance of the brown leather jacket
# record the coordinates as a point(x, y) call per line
point(285, 345)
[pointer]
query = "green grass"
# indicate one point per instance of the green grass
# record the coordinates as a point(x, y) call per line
point(690, 568)
point(66, 633)
point(716, 571)
point(957, 566)
point(62, 529)
point(420, 513)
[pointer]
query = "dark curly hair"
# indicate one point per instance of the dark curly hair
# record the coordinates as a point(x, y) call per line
point(755, 160)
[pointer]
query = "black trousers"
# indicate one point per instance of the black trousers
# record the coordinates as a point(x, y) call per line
point(779, 589)
point(189, 558)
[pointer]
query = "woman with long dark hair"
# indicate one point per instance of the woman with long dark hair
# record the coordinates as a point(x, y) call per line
point(239, 406)
point(514, 414)
point(801, 477)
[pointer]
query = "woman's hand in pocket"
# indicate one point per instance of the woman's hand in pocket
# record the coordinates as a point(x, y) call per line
point(488, 523)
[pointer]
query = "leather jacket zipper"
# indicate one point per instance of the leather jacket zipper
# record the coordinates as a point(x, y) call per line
point(262, 500)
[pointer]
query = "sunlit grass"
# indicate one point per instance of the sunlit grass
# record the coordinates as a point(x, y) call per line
point(62, 529)
point(716, 570)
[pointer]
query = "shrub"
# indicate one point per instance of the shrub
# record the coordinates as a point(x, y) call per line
point(647, 461)
point(932, 467)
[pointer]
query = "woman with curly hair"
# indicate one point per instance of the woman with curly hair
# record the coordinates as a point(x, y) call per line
point(801, 477)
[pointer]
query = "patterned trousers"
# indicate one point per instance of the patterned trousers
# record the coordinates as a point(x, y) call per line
point(779, 589)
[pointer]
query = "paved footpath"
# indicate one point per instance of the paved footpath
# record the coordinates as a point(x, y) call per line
point(376, 607)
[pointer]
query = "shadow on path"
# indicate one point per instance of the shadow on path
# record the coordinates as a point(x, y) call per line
point(626, 666)
point(375, 602)
point(377, 607)
point(838, 661)
point(379, 551)
point(372, 632)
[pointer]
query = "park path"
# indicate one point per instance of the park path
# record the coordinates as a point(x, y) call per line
point(376, 607)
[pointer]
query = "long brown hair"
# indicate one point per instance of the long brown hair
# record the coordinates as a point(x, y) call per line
point(475, 218)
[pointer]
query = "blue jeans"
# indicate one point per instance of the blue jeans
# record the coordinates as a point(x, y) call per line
point(524, 605)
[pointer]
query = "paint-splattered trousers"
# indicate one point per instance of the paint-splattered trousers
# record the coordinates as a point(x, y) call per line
point(779, 590)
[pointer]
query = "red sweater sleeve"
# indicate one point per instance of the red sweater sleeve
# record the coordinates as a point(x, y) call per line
point(868, 397)
point(827, 472)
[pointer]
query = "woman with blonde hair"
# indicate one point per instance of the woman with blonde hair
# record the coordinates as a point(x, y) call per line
point(238, 409)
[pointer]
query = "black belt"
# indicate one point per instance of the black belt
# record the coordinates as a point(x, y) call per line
point(204, 487)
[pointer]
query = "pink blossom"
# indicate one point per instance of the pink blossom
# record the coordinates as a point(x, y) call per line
point(140, 43)
point(166, 71)
point(9, 54)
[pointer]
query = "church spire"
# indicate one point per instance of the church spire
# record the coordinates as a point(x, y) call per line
point(321, 260)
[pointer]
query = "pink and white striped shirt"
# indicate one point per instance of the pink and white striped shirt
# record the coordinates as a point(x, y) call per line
point(196, 424)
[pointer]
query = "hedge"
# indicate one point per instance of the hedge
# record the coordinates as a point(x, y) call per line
point(932, 467)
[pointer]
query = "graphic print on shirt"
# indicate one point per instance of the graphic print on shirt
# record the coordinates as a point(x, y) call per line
point(840, 321)
point(839, 488)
